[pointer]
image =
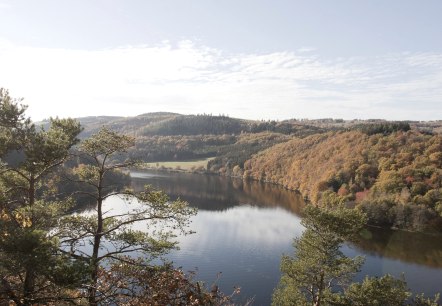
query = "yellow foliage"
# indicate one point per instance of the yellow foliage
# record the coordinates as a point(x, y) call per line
point(22, 219)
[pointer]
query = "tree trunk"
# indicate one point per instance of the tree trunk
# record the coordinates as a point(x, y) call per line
point(29, 283)
point(318, 299)
point(94, 259)
point(29, 286)
point(92, 292)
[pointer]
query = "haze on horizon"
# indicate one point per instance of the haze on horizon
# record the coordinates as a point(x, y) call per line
point(250, 59)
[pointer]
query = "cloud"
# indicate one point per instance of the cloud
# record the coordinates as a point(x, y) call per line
point(190, 78)
point(240, 226)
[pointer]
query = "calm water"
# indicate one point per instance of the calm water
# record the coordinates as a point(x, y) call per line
point(243, 228)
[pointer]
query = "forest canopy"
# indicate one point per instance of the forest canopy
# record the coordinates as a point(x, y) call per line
point(389, 169)
point(396, 178)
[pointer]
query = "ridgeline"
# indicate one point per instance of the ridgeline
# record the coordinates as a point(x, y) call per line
point(390, 170)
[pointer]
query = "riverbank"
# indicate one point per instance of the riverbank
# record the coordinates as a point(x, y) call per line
point(189, 166)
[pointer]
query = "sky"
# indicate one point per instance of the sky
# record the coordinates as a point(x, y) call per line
point(253, 59)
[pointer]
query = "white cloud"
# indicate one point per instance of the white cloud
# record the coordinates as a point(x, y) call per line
point(242, 225)
point(190, 78)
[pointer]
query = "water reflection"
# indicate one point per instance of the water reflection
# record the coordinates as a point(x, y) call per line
point(418, 248)
point(243, 228)
point(210, 192)
point(244, 242)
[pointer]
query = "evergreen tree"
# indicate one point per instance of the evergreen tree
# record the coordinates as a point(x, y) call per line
point(31, 268)
point(113, 234)
point(319, 269)
point(376, 291)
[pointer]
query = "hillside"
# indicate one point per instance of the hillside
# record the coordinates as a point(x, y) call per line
point(391, 170)
point(173, 137)
point(395, 178)
point(173, 124)
point(126, 125)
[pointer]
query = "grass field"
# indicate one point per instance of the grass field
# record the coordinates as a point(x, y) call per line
point(184, 165)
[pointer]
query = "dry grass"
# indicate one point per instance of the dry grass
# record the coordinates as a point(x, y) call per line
point(190, 165)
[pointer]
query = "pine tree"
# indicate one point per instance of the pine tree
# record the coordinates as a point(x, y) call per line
point(30, 263)
point(319, 269)
point(111, 234)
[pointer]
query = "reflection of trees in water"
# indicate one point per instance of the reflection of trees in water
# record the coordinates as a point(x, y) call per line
point(209, 192)
point(410, 247)
point(269, 195)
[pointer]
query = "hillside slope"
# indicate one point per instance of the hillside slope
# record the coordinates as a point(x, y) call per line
point(395, 178)
point(173, 137)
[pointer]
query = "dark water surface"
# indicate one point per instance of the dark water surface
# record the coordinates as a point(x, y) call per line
point(243, 228)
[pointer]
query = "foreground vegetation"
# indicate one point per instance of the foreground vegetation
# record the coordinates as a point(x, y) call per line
point(320, 274)
point(52, 254)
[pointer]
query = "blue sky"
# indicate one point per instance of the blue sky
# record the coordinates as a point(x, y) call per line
point(251, 59)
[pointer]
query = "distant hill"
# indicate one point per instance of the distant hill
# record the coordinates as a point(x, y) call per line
point(172, 124)
point(126, 125)
point(167, 136)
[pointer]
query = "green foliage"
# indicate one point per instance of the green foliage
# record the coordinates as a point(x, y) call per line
point(319, 268)
point(320, 274)
point(29, 210)
point(105, 143)
point(11, 119)
point(196, 125)
point(178, 148)
point(113, 235)
point(237, 153)
point(168, 136)
point(331, 199)
point(383, 127)
point(11, 112)
point(374, 291)
point(384, 290)
point(421, 300)
point(385, 211)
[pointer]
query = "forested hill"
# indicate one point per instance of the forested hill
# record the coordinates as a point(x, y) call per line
point(172, 124)
point(396, 178)
point(391, 170)
point(173, 137)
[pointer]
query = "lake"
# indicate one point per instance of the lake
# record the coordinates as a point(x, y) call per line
point(243, 228)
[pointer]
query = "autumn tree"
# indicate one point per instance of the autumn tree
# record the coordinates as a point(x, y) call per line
point(127, 284)
point(30, 263)
point(319, 269)
point(362, 170)
point(145, 228)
